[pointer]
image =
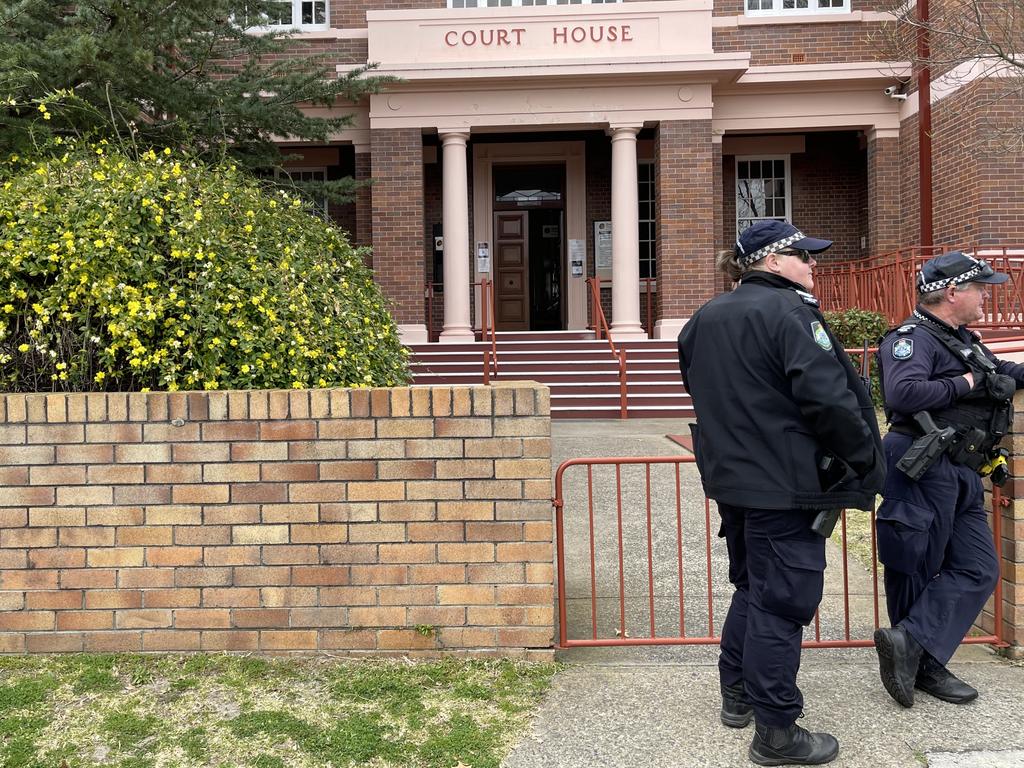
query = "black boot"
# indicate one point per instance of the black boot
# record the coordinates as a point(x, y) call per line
point(933, 678)
point(736, 709)
point(791, 746)
point(898, 657)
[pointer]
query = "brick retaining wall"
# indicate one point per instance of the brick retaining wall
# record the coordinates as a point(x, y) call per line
point(406, 519)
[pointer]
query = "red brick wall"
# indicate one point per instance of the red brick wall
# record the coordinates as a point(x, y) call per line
point(910, 200)
point(828, 193)
point(1000, 173)
point(800, 43)
point(883, 195)
point(277, 521)
point(599, 208)
point(397, 202)
point(684, 183)
point(364, 202)
point(829, 180)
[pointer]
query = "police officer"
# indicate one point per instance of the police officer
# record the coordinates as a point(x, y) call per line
point(785, 429)
point(933, 536)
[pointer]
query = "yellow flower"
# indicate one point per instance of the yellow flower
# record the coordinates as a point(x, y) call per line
point(23, 347)
point(100, 376)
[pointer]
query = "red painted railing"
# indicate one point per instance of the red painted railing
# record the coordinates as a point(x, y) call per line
point(487, 325)
point(487, 333)
point(632, 526)
point(886, 283)
point(599, 324)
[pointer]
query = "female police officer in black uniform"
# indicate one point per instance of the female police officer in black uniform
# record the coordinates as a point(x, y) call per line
point(785, 429)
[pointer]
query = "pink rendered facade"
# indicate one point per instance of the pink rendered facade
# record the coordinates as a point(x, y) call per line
point(538, 145)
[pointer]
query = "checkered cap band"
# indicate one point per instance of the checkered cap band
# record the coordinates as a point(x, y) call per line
point(965, 277)
point(760, 253)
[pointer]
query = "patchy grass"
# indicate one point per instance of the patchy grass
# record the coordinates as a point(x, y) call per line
point(127, 711)
point(858, 535)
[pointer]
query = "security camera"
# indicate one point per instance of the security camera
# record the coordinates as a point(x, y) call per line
point(893, 92)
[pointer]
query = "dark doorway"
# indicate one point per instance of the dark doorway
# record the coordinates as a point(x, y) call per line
point(537, 194)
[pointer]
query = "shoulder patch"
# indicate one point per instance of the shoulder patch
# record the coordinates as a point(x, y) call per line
point(821, 336)
point(808, 298)
point(903, 349)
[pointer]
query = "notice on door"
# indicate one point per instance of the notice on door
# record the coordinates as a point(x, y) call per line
point(483, 257)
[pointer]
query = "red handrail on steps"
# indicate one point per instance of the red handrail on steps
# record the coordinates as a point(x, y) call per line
point(598, 324)
point(487, 328)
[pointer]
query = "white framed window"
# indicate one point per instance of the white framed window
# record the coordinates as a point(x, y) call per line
point(309, 174)
point(521, 3)
point(297, 14)
point(648, 231)
point(794, 7)
point(762, 189)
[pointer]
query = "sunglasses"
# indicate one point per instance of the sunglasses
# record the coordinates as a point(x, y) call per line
point(804, 256)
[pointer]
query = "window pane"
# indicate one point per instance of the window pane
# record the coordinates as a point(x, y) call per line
point(750, 199)
point(283, 16)
point(763, 194)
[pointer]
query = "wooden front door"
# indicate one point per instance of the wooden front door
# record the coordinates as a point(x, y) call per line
point(511, 271)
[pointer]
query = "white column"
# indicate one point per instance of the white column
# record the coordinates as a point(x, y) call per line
point(455, 218)
point(625, 236)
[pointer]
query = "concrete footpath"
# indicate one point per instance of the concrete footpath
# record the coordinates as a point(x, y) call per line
point(658, 706)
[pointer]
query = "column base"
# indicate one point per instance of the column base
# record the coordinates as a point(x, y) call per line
point(627, 332)
point(670, 328)
point(457, 335)
point(413, 333)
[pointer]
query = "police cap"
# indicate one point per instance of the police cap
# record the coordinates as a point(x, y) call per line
point(954, 268)
point(768, 235)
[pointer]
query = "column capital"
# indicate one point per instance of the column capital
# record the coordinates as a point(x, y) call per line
point(623, 130)
point(453, 136)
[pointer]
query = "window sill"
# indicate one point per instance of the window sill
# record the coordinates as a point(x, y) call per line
point(799, 17)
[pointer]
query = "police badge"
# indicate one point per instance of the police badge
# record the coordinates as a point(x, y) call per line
point(902, 349)
point(821, 336)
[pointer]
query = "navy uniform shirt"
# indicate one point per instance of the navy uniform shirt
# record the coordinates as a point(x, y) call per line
point(921, 374)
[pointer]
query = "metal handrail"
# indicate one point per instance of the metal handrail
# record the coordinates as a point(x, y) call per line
point(487, 325)
point(599, 323)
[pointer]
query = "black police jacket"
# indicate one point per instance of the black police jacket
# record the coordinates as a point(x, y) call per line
point(775, 397)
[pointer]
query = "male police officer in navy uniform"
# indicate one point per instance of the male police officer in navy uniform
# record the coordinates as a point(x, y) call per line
point(933, 536)
point(785, 429)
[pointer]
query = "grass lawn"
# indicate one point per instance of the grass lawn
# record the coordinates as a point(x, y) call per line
point(132, 711)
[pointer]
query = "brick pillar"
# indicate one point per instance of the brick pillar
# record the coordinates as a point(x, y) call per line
point(1011, 549)
point(685, 175)
point(883, 191)
point(720, 281)
point(364, 204)
point(397, 204)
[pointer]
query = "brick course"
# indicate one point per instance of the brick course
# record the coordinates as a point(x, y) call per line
point(416, 534)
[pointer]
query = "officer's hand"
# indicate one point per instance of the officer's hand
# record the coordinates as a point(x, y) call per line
point(874, 480)
point(970, 379)
point(1000, 386)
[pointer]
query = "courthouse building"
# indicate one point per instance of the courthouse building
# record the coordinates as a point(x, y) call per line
point(540, 142)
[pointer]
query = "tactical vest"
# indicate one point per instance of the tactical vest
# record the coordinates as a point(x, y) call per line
point(979, 419)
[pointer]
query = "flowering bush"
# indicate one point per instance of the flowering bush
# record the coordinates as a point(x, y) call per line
point(159, 272)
